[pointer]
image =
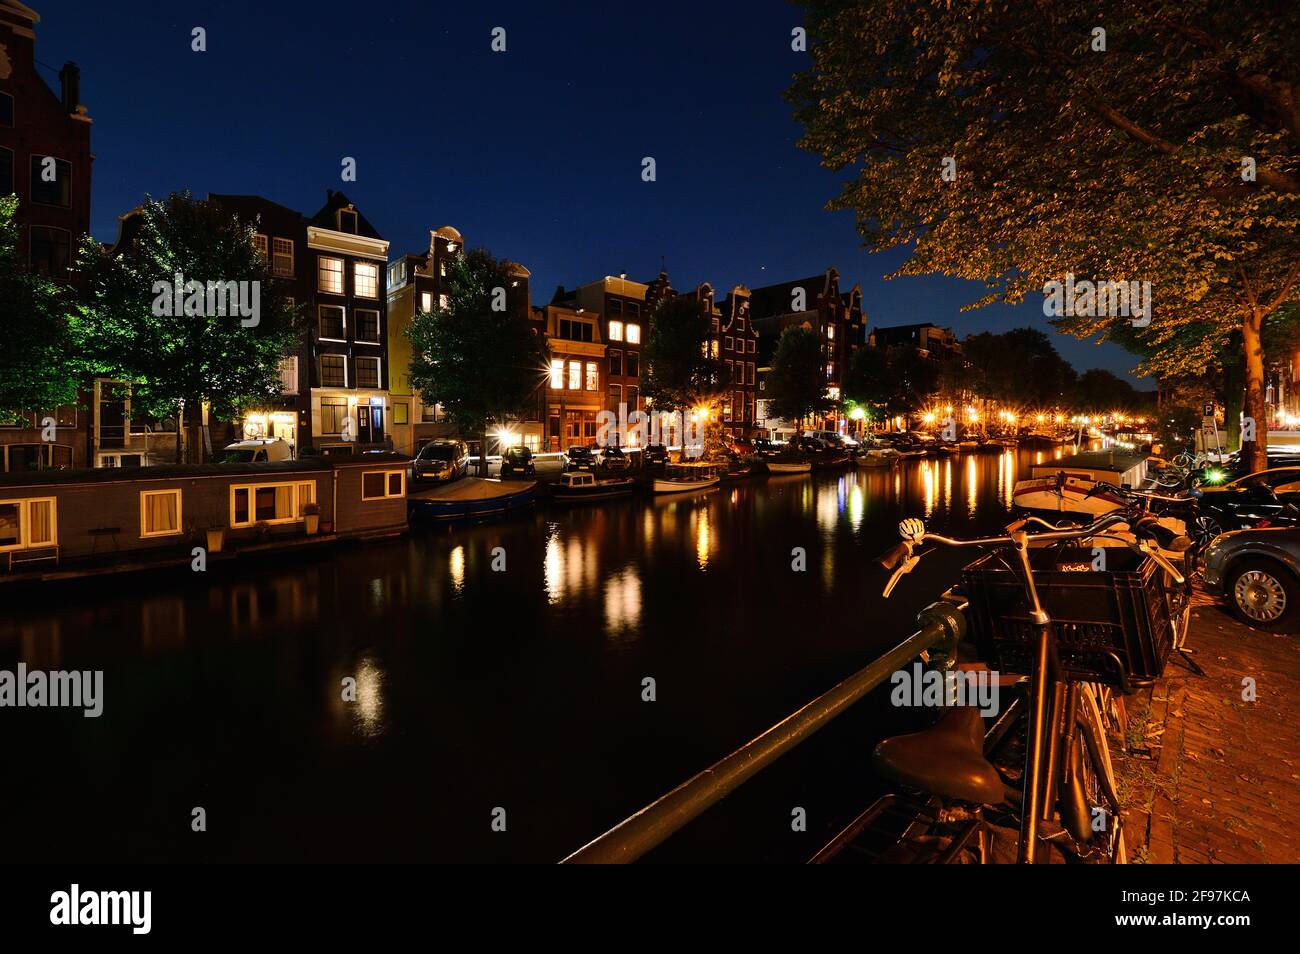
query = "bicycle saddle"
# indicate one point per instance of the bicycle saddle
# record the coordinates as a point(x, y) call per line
point(946, 759)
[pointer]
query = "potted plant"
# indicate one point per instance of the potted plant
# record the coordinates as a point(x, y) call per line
point(216, 539)
point(311, 516)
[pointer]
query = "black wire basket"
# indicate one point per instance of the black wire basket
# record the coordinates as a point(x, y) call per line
point(1111, 624)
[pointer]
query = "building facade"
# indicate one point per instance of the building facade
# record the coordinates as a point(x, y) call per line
point(619, 308)
point(45, 160)
point(576, 386)
point(347, 306)
point(418, 282)
point(817, 304)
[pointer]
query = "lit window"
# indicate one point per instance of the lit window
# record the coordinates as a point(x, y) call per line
point(28, 523)
point(160, 513)
point(282, 261)
point(329, 275)
point(426, 301)
point(593, 376)
point(633, 334)
point(365, 279)
point(289, 375)
point(557, 373)
point(269, 503)
point(830, 332)
point(259, 246)
point(575, 375)
point(381, 484)
point(444, 302)
point(616, 331)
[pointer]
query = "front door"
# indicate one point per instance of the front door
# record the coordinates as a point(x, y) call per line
point(370, 423)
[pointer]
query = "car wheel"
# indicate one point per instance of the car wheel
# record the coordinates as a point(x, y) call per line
point(1205, 529)
point(1265, 595)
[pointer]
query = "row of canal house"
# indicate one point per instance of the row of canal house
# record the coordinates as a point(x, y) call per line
point(348, 388)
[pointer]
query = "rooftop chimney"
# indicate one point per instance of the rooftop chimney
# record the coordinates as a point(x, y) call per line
point(70, 78)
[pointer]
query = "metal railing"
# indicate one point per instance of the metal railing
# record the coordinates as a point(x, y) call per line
point(942, 627)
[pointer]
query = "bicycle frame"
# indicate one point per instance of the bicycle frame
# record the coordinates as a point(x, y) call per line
point(1043, 749)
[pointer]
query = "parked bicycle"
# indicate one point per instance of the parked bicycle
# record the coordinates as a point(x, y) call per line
point(1104, 621)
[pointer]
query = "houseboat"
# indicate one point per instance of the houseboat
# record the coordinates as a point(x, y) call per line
point(68, 523)
point(1068, 485)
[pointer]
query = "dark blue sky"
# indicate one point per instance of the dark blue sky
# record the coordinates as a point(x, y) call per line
point(534, 153)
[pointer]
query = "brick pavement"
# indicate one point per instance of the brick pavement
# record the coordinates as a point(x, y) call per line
point(1213, 777)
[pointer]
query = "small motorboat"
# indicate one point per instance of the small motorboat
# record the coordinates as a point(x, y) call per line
point(679, 478)
point(1068, 485)
point(788, 466)
point(738, 472)
point(577, 486)
point(829, 460)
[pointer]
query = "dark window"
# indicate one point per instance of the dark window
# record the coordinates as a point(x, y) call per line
point(50, 250)
point(332, 374)
point(6, 109)
point(6, 171)
point(333, 411)
point(241, 506)
point(633, 309)
point(57, 191)
point(331, 321)
point(616, 362)
point(367, 372)
point(615, 306)
point(264, 506)
point(633, 364)
point(368, 326)
point(372, 486)
point(348, 221)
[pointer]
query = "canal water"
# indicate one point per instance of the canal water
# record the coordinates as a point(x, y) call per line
point(500, 666)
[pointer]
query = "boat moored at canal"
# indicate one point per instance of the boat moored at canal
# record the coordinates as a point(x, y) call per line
point(579, 487)
point(679, 478)
point(472, 498)
point(68, 523)
point(1068, 485)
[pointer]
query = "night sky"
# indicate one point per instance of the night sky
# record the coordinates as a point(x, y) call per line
point(534, 153)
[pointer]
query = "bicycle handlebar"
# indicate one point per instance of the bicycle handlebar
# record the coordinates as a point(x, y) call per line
point(902, 558)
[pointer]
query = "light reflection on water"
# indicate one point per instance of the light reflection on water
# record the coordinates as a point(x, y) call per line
point(528, 674)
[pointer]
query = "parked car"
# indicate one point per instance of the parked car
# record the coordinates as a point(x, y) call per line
point(614, 461)
point(766, 449)
point(1264, 498)
point(441, 460)
point(518, 462)
point(578, 458)
point(654, 455)
point(257, 450)
point(1234, 466)
point(1257, 572)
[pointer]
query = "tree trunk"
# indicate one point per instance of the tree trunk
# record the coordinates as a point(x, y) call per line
point(1255, 452)
point(482, 454)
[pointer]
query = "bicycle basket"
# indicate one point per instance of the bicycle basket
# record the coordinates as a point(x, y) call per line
point(1123, 610)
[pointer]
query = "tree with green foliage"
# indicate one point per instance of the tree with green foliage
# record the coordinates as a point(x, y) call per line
point(895, 381)
point(39, 358)
point(476, 356)
point(1019, 368)
point(678, 370)
point(1111, 141)
point(796, 385)
point(188, 312)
